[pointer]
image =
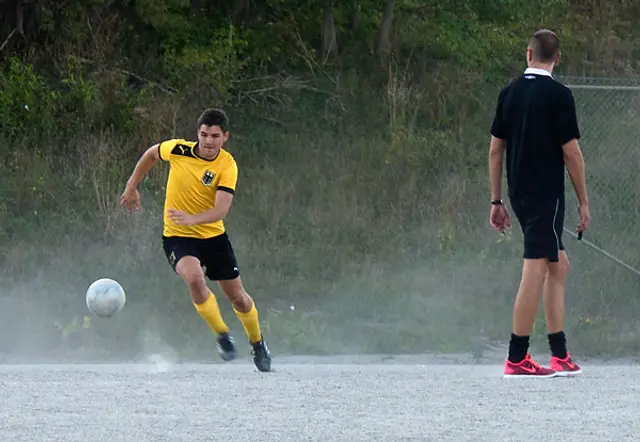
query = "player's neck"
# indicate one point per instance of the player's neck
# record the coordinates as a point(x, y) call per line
point(542, 66)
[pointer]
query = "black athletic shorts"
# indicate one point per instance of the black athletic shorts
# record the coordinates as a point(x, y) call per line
point(542, 223)
point(215, 254)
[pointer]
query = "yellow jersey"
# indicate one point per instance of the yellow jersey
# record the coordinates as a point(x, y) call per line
point(192, 185)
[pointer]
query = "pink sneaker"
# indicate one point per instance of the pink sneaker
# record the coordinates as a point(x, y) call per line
point(527, 368)
point(565, 367)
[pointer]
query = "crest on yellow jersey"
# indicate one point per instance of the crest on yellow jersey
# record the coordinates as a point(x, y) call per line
point(208, 177)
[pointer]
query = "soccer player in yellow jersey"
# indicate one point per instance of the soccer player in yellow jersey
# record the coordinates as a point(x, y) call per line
point(200, 189)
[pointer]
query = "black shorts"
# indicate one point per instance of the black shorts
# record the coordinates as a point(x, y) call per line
point(215, 254)
point(542, 223)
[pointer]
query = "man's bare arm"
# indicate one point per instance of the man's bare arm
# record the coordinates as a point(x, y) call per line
point(144, 165)
point(496, 157)
point(575, 165)
point(221, 209)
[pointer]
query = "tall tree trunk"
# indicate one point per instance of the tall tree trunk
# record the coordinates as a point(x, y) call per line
point(329, 41)
point(384, 38)
point(20, 16)
point(354, 16)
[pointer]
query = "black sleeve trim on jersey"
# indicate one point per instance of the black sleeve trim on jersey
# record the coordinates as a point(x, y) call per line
point(159, 150)
point(227, 189)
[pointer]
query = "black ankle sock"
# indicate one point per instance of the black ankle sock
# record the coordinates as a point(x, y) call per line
point(518, 347)
point(558, 344)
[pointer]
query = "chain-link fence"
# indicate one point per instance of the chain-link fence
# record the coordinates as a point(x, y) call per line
point(609, 118)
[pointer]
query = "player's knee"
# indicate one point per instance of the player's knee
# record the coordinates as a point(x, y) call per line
point(560, 269)
point(237, 295)
point(197, 287)
point(195, 281)
point(242, 302)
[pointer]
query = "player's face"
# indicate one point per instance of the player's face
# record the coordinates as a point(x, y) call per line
point(211, 139)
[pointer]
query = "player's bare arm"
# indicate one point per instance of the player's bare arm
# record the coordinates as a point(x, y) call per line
point(499, 217)
point(575, 166)
point(217, 213)
point(131, 197)
point(496, 159)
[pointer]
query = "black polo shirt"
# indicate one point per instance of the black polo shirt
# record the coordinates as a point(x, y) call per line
point(536, 115)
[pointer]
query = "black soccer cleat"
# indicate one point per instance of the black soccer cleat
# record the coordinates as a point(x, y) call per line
point(261, 355)
point(226, 347)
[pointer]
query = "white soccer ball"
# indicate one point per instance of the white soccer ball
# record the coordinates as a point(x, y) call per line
point(105, 297)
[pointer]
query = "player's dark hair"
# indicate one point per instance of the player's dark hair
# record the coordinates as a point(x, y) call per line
point(214, 117)
point(545, 45)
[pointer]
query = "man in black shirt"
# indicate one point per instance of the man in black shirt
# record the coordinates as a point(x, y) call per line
point(535, 124)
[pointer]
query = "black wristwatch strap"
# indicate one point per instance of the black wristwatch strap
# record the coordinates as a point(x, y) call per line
point(497, 202)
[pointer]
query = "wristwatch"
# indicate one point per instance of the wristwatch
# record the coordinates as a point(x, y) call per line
point(497, 202)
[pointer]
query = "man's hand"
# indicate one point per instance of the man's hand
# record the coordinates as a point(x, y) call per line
point(130, 198)
point(499, 217)
point(180, 218)
point(585, 217)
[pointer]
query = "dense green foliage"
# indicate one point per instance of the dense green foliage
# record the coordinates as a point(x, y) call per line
point(360, 128)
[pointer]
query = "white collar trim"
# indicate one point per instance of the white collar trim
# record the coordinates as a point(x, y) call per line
point(536, 71)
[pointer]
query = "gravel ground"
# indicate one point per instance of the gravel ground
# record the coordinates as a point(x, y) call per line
point(307, 400)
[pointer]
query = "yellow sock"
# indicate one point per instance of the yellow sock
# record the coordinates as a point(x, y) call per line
point(210, 312)
point(250, 323)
